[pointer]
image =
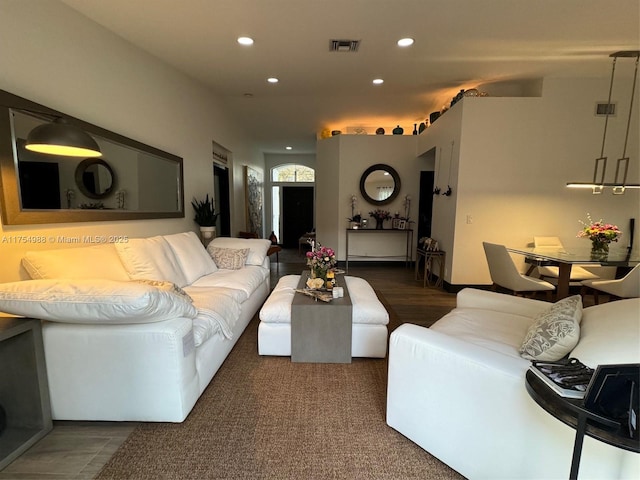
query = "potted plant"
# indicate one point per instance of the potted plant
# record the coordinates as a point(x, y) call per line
point(206, 216)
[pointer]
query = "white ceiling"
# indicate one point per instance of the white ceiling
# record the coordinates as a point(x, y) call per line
point(458, 44)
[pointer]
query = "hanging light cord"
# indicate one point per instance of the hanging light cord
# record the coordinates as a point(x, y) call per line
point(606, 117)
point(633, 91)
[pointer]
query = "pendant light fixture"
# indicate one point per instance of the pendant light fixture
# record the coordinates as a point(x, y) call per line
point(619, 185)
point(59, 137)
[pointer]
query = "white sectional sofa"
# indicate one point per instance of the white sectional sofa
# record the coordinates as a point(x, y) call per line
point(457, 389)
point(122, 341)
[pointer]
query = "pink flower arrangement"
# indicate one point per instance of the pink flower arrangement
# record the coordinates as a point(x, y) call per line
point(599, 232)
point(321, 258)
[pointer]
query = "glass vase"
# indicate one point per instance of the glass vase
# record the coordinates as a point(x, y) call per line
point(318, 272)
point(599, 249)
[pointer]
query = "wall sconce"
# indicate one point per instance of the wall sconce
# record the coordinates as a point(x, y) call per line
point(619, 185)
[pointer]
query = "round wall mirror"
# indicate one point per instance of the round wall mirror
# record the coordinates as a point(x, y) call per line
point(380, 184)
point(95, 178)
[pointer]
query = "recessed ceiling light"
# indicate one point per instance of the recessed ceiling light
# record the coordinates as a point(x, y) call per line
point(405, 42)
point(272, 80)
point(378, 81)
point(245, 40)
point(288, 148)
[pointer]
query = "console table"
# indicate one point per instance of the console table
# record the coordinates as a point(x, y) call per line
point(572, 412)
point(24, 391)
point(385, 231)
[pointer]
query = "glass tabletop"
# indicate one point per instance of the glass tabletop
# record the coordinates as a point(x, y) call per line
point(617, 256)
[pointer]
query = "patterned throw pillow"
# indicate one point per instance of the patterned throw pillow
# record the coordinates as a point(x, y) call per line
point(554, 332)
point(228, 258)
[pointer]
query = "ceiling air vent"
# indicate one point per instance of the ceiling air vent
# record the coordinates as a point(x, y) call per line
point(601, 109)
point(344, 45)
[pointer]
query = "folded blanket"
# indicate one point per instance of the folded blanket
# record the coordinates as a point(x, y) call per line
point(218, 311)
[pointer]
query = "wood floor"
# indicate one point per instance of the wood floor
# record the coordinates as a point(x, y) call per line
point(78, 450)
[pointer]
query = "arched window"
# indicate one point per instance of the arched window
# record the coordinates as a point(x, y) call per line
point(293, 173)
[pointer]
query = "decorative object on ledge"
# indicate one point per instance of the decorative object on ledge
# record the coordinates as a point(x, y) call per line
point(380, 131)
point(601, 235)
point(356, 218)
point(398, 130)
point(422, 126)
point(415, 129)
point(619, 185)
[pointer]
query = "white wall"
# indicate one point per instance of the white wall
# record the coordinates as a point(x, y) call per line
point(341, 160)
point(516, 156)
point(54, 56)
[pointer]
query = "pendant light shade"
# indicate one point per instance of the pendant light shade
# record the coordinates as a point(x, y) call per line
point(619, 184)
point(61, 138)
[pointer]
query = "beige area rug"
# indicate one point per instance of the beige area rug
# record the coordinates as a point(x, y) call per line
point(268, 418)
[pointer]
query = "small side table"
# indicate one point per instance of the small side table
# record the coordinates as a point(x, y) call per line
point(572, 412)
point(24, 390)
point(431, 257)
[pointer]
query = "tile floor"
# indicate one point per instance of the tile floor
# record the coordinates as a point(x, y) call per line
point(71, 451)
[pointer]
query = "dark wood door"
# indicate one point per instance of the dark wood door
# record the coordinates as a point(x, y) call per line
point(297, 214)
point(221, 188)
point(425, 205)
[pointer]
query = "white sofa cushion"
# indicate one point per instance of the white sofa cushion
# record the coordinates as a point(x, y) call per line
point(93, 301)
point(492, 330)
point(100, 261)
point(228, 258)
point(258, 247)
point(243, 282)
point(554, 332)
point(150, 259)
point(192, 257)
point(609, 334)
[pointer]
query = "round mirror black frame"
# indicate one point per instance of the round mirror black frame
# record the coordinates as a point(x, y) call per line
point(82, 168)
point(396, 186)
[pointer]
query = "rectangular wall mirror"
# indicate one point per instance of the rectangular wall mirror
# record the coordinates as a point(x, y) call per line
point(130, 181)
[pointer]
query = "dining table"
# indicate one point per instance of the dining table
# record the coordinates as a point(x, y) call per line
point(565, 257)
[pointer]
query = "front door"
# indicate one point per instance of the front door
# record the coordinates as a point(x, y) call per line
point(297, 214)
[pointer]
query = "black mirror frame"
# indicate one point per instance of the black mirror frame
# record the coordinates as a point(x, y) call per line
point(10, 206)
point(79, 176)
point(396, 180)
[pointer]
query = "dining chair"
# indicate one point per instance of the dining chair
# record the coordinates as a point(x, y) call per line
point(578, 272)
point(505, 274)
point(625, 287)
